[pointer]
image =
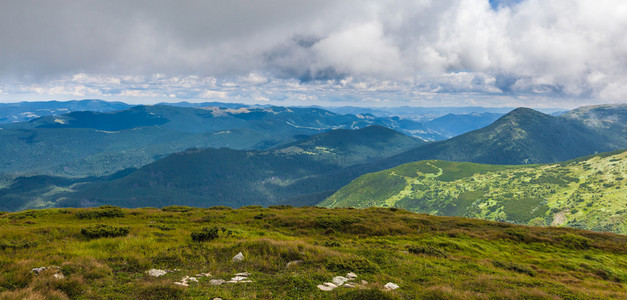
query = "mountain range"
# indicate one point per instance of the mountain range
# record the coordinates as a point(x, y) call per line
point(85, 143)
point(272, 157)
point(28, 110)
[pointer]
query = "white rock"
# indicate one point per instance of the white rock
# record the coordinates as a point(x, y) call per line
point(239, 257)
point(244, 274)
point(339, 280)
point(58, 276)
point(216, 281)
point(293, 263)
point(156, 272)
point(351, 276)
point(350, 285)
point(327, 286)
point(238, 278)
point(203, 275)
point(364, 282)
point(193, 279)
point(391, 286)
point(181, 283)
point(37, 270)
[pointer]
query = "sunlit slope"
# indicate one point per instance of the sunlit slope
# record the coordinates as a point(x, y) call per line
point(589, 192)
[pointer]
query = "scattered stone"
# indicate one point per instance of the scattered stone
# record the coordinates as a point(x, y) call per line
point(327, 286)
point(339, 280)
point(239, 257)
point(203, 275)
point(350, 285)
point(186, 280)
point(364, 282)
point(240, 278)
point(216, 281)
point(217, 299)
point(156, 272)
point(391, 286)
point(38, 270)
point(351, 276)
point(56, 275)
point(293, 263)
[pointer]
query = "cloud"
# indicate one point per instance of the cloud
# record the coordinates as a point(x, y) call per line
point(529, 50)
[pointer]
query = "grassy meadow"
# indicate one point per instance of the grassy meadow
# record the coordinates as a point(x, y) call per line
point(429, 257)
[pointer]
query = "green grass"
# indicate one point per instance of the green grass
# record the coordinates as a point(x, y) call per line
point(429, 257)
point(588, 193)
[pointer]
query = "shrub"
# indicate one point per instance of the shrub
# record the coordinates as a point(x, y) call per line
point(335, 222)
point(103, 230)
point(352, 264)
point(17, 245)
point(427, 250)
point(177, 208)
point(262, 216)
point(160, 289)
point(220, 207)
point(280, 206)
point(518, 234)
point(101, 212)
point(205, 234)
point(574, 241)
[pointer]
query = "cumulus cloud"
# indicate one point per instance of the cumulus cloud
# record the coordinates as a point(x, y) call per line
point(546, 51)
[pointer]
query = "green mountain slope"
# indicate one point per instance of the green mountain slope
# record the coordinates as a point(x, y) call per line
point(288, 252)
point(205, 177)
point(523, 136)
point(589, 193)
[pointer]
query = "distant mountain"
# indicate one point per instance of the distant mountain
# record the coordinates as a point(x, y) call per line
point(207, 177)
point(523, 136)
point(588, 193)
point(451, 125)
point(606, 119)
point(210, 104)
point(425, 114)
point(25, 111)
point(95, 144)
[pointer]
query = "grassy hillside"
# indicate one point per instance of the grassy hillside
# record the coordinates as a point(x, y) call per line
point(589, 192)
point(288, 252)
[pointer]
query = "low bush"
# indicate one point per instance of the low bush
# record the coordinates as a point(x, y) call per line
point(103, 230)
point(17, 245)
point(351, 264)
point(205, 234)
point(177, 208)
point(160, 289)
point(101, 212)
point(574, 241)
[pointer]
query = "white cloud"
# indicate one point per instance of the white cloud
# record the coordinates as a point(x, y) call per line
point(530, 50)
point(210, 94)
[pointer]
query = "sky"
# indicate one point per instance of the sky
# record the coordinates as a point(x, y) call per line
point(534, 53)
